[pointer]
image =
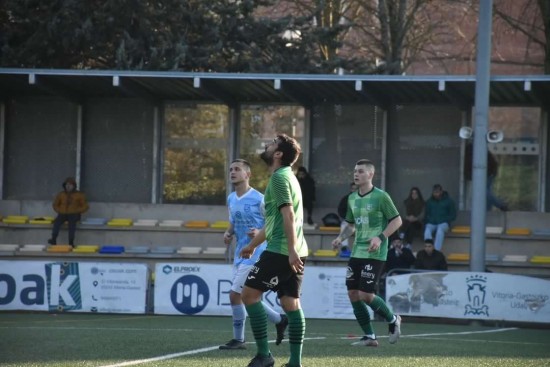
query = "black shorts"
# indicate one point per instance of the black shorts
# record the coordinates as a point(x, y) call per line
point(272, 272)
point(363, 274)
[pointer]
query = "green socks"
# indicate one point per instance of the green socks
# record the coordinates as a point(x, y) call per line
point(363, 318)
point(379, 306)
point(258, 323)
point(296, 332)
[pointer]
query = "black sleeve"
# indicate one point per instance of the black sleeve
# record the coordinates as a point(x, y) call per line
point(343, 207)
point(418, 262)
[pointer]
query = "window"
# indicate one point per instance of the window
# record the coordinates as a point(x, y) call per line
point(341, 135)
point(517, 180)
point(195, 153)
point(259, 125)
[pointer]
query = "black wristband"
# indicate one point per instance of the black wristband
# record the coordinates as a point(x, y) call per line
point(382, 237)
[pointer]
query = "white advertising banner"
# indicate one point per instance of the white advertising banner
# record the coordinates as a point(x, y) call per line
point(467, 295)
point(73, 286)
point(324, 293)
point(191, 288)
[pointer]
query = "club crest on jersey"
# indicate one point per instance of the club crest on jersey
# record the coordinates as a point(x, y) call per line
point(369, 206)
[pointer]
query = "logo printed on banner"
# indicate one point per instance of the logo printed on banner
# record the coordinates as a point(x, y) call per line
point(476, 296)
point(189, 294)
point(168, 269)
point(63, 286)
point(535, 302)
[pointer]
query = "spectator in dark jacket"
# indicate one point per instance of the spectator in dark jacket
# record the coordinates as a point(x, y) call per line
point(440, 212)
point(307, 184)
point(430, 259)
point(414, 215)
point(399, 256)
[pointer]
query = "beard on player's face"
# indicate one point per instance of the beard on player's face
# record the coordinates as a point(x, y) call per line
point(267, 157)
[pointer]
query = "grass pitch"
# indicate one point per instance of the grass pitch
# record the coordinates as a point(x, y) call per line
point(95, 340)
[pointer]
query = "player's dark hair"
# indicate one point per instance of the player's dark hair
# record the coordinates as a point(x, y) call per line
point(290, 148)
point(243, 161)
point(365, 162)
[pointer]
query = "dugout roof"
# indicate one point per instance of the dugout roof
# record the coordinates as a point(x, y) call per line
point(307, 90)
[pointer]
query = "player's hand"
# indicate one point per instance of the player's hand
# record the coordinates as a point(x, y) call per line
point(336, 243)
point(374, 244)
point(227, 238)
point(247, 252)
point(252, 232)
point(296, 264)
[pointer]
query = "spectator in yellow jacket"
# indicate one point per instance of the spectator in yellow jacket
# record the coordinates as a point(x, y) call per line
point(69, 204)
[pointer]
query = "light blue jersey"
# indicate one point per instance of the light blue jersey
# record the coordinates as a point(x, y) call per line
point(245, 213)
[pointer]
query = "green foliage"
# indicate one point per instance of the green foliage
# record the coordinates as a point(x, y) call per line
point(192, 35)
point(517, 182)
point(195, 154)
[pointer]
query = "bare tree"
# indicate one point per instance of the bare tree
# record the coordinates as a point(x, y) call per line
point(531, 18)
point(386, 35)
point(399, 32)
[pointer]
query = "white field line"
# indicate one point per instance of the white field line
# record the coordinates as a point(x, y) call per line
point(202, 350)
point(442, 334)
point(176, 355)
point(102, 328)
point(207, 349)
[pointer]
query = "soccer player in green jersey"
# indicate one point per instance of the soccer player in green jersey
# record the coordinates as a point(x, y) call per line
point(373, 217)
point(281, 266)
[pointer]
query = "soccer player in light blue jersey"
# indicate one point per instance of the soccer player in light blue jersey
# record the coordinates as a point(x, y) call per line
point(246, 218)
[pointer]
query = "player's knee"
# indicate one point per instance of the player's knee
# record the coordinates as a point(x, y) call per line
point(290, 304)
point(250, 295)
point(353, 295)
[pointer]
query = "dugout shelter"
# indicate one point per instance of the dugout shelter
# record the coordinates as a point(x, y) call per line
point(162, 141)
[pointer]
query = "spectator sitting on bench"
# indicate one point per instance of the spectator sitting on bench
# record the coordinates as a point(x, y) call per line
point(414, 215)
point(399, 256)
point(429, 258)
point(69, 204)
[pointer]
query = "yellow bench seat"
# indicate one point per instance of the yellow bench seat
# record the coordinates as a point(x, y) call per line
point(16, 219)
point(120, 222)
point(329, 229)
point(86, 249)
point(461, 229)
point(42, 220)
point(540, 259)
point(517, 231)
point(325, 253)
point(196, 224)
point(59, 248)
point(458, 257)
point(220, 224)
